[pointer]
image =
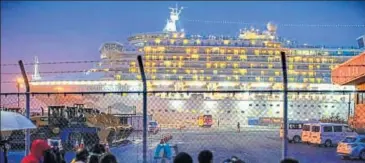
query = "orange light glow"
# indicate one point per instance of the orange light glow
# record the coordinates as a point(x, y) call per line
point(59, 89)
point(19, 80)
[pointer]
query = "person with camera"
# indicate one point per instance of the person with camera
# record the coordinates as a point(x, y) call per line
point(55, 154)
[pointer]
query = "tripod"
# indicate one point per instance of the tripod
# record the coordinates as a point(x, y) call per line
point(3, 144)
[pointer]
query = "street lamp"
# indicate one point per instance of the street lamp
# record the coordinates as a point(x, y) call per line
point(58, 96)
point(18, 83)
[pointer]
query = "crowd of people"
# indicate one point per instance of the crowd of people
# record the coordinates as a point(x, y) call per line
point(42, 152)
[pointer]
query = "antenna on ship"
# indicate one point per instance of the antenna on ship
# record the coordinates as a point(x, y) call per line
point(36, 75)
point(174, 16)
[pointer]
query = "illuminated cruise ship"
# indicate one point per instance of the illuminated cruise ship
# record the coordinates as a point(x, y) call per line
point(176, 61)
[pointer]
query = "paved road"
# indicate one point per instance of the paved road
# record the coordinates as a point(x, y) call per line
point(254, 145)
point(314, 154)
point(225, 142)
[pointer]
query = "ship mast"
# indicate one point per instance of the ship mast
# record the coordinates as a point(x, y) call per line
point(36, 75)
point(174, 16)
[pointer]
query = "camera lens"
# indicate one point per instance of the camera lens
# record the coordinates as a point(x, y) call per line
point(54, 143)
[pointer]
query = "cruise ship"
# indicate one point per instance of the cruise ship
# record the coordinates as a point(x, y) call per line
point(177, 61)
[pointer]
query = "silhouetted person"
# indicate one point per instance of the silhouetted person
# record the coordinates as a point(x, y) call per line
point(289, 160)
point(205, 156)
point(98, 149)
point(81, 155)
point(96, 152)
point(93, 159)
point(238, 127)
point(49, 156)
point(53, 156)
point(108, 158)
point(183, 157)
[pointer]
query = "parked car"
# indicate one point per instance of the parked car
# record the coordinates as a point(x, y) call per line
point(153, 127)
point(352, 147)
point(329, 133)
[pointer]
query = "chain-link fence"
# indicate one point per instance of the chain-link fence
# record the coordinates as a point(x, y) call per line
point(244, 124)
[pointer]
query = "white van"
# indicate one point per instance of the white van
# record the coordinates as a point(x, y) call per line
point(294, 131)
point(329, 133)
point(306, 132)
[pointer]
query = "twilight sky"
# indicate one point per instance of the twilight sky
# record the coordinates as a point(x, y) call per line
point(64, 31)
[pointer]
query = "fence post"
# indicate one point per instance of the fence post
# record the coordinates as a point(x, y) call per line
point(285, 98)
point(144, 139)
point(349, 109)
point(27, 105)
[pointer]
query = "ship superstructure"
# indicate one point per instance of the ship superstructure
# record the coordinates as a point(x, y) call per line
point(247, 61)
point(177, 61)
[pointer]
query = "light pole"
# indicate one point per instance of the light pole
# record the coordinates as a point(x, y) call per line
point(58, 96)
point(18, 82)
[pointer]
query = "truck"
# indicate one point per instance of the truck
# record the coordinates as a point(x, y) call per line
point(136, 121)
point(77, 123)
point(205, 121)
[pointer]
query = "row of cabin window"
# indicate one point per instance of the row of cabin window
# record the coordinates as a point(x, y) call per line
point(199, 57)
point(233, 78)
point(241, 44)
point(304, 76)
point(251, 51)
point(228, 71)
point(278, 105)
point(213, 64)
point(229, 111)
point(246, 79)
point(248, 44)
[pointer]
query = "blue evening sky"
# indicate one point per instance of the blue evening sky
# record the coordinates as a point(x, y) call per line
point(62, 31)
